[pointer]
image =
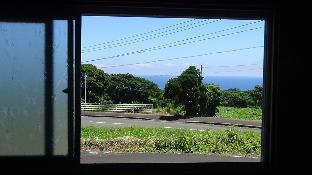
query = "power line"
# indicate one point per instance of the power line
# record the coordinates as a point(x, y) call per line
point(149, 37)
point(237, 70)
point(232, 28)
point(226, 66)
point(140, 34)
point(221, 66)
point(177, 58)
point(173, 44)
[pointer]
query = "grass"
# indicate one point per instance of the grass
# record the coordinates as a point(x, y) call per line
point(227, 112)
point(239, 113)
point(139, 139)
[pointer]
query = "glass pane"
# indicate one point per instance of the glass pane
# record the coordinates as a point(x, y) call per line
point(60, 51)
point(22, 48)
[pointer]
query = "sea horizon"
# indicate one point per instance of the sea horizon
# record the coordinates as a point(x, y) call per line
point(225, 82)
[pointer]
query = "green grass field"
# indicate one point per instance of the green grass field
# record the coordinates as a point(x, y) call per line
point(139, 139)
point(240, 113)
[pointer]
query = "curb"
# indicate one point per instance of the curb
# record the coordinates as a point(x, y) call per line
point(226, 124)
point(142, 118)
point(202, 122)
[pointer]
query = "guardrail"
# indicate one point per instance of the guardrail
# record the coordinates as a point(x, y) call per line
point(145, 108)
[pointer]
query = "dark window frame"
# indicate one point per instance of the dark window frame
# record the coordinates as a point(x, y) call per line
point(268, 64)
point(223, 9)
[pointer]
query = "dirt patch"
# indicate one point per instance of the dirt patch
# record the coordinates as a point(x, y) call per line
point(119, 144)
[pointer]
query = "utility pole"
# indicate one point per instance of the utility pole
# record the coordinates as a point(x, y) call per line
point(85, 88)
point(201, 70)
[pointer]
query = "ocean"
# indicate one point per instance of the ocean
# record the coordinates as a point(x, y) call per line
point(242, 83)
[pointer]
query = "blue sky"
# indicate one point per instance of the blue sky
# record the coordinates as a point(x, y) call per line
point(105, 39)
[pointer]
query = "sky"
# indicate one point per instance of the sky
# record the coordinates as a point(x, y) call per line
point(167, 46)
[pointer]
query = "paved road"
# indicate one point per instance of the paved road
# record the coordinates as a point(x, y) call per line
point(126, 122)
point(204, 120)
point(99, 157)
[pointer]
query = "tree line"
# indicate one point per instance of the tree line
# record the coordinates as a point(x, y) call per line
point(185, 93)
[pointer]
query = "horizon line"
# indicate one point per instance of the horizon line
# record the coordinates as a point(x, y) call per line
point(203, 75)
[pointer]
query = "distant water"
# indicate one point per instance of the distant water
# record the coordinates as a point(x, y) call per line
point(242, 83)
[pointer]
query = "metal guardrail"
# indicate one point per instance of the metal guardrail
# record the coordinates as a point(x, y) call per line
point(146, 108)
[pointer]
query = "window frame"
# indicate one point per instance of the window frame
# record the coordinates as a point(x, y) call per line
point(268, 73)
point(211, 9)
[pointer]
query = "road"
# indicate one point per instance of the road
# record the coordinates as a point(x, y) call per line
point(98, 157)
point(126, 122)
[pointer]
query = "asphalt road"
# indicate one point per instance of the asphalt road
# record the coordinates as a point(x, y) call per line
point(126, 122)
point(204, 120)
point(89, 156)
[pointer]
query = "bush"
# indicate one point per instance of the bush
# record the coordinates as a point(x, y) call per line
point(242, 99)
point(175, 110)
point(235, 98)
point(209, 99)
point(158, 101)
point(256, 95)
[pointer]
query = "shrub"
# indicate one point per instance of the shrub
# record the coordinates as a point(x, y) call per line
point(176, 110)
point(209, 99)
point(242, 99)
point(234, 98)
point(256, 95)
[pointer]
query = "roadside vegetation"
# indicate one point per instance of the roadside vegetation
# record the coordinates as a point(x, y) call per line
point(239, 113)
point(184, 95)
point(139, 139)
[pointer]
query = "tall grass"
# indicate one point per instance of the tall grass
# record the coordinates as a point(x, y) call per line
point(139, 139)
point(239, 113)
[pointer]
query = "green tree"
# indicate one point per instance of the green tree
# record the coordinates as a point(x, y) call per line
point(97, 83)
point(184, 90)
point(118, 88)
point(126, 88)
